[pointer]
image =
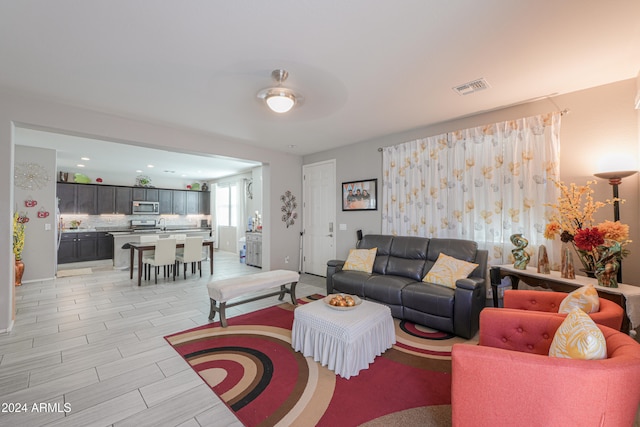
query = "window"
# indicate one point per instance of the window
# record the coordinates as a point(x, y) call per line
point(227, 205)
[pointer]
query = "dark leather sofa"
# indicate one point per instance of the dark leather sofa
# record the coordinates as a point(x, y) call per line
point(396, 281)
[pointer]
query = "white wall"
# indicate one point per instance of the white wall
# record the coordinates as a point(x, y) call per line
point(282, 171)
point(40, 249)
point(600, 120)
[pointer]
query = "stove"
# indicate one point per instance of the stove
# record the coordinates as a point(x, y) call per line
point(144, 226)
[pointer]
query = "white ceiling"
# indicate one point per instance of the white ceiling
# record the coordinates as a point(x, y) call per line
point(366, 68)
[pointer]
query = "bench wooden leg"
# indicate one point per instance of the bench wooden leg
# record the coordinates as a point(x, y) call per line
point(220, 309)
point(291, 290)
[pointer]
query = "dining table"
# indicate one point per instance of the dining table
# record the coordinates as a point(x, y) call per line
point(150, 246)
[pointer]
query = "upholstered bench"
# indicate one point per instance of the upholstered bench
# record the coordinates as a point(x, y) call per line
point(222, 291)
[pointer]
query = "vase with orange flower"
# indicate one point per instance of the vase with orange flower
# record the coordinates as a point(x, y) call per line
point(600, 247)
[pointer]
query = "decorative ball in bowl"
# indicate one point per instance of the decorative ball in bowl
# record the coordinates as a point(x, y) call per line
point(342, 301)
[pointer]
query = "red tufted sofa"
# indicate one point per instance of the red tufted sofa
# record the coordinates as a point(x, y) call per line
point(610, 313)
point(509, 379)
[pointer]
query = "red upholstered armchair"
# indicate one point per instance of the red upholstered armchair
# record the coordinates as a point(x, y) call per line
point(509, 379)
point(610, 313)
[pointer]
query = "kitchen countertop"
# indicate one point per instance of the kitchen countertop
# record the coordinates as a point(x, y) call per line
point(167, 231)
point(121, 231)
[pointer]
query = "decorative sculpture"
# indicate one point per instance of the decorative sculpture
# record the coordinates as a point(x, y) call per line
point(543, 260)
point(521, 257)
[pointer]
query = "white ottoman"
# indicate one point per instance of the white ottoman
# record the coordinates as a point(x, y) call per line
point(343, 341)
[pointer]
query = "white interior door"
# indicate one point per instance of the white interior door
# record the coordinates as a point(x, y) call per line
point(319, 216)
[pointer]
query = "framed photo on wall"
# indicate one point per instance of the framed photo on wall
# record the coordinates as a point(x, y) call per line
point(360, 195)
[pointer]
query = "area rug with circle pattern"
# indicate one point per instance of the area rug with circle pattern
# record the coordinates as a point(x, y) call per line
point(252, 367)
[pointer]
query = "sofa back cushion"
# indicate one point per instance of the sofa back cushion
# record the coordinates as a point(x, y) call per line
point(383, 243)
point(461, 249)
point(407, 256)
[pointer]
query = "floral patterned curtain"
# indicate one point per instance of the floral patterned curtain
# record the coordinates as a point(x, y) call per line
point(482, 184)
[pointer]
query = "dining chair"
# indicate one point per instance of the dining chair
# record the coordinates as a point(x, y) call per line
point(180, 238)
point(164, 256)
point(192, 254)
point(148, 238)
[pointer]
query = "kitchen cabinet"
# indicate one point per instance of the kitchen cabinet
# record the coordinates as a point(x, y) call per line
point(165, 198)
point(67, 195)
point(104, 246)
point(204, 202)
point(254, 249)
point(77, 198)
point(193, 202)
point(179, 202)
point(85, 246)
point(93, 199)
point(86, 199)
point(145, 194)
point(114, 200)
point(76, 247)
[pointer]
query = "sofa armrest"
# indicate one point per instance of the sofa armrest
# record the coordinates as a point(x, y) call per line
point(470, 299)
point(470, 283)
point(333, 266)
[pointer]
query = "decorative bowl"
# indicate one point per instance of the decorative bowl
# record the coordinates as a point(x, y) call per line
point(328, 298)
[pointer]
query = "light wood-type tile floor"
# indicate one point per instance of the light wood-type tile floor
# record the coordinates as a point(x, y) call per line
point(89, 350)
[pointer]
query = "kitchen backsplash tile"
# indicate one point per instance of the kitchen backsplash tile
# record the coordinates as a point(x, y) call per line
point(117, 222)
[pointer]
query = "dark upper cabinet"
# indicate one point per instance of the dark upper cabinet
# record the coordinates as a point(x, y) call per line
point(114, 200)
point(123, 200)
point(66, 192)
point(106, 199)
point(179, 202)
point(94, 199)
point(86, 199)
point(193, 202)
point(139, 194)
point(204, 202)
point(152, 195)
point(145, 194)
point(77, 198)
point(165, 198)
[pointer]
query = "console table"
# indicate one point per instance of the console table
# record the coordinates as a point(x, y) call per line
point(627, 296)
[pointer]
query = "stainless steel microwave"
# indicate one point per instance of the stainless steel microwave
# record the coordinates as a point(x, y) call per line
point(145, 208)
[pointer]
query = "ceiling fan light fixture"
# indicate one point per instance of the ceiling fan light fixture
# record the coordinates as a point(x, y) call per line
point(279, 99)
point(280, 102)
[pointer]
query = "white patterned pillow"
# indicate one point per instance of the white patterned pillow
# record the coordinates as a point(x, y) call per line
point(585, 298)
point(578, 337)
point(360, 260)
point(447, 270)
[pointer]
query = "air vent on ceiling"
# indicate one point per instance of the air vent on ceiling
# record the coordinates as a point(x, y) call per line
point(471, 87)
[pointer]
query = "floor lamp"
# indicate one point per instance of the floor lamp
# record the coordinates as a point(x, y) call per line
point(615, 179)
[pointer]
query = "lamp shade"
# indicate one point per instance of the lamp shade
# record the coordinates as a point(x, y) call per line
point(280, 102)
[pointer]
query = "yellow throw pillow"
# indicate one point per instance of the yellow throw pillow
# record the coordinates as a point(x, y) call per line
point(360, 260)
point(447, 270)
point(578, 337)
point(585, 298)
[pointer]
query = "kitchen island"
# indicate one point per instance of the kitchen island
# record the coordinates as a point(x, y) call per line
point(122, 238)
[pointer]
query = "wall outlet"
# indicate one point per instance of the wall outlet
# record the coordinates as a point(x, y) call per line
point(47, 227)
point(286, 260)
